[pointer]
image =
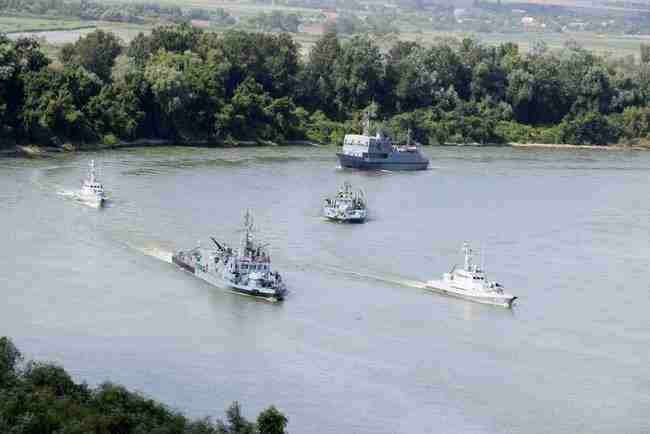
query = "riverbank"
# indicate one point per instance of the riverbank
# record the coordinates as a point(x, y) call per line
point(621, 147)
point(59, 404)
point(38, 151)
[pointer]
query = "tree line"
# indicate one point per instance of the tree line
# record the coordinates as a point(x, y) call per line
point(127, 12)
point(186, 85)
point(37, 397)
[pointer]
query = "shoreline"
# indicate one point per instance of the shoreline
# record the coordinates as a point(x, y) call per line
point(617, 147)
point(39, 151)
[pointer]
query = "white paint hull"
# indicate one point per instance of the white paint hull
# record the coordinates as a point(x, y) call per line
point(91, 199)
point(494, 299)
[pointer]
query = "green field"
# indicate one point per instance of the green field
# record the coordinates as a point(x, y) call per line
point(20, 24)
point(68, 30)
point(616, 46)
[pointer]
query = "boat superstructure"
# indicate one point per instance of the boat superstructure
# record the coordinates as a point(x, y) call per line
point(246, 270)
point(92, 191)
point(346, 206)
point(366, 152)
point(470, 283)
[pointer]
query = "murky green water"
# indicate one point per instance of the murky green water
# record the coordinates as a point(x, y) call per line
point(356, 347)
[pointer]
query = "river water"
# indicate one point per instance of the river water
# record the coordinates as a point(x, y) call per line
point(357, 347)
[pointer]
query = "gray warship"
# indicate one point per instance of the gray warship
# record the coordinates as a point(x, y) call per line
point(366, 152)
point(346, 206)
point(245, 271)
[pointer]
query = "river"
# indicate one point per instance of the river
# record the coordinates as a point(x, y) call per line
point(357, 347)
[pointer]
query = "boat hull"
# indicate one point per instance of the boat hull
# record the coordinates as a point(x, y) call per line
point(219, 282)
point(91, 199)
point(346, 219)
point(402, 164)
point(502, 300)
point(333, 214)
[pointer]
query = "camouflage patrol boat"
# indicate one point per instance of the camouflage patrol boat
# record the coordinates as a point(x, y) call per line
point(245, 271)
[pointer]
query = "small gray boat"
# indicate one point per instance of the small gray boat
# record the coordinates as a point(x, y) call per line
point(346, 206)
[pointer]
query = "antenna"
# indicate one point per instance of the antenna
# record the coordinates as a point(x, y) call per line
point(366, 123)
point(468, 255)
point(483, 257)
point(92, 171)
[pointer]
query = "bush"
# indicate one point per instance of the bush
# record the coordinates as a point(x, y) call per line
point(591, 128)
point(44, 399)
point(110, 140)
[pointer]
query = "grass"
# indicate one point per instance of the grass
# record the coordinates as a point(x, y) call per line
point(20, 24)
point(68, 30)
point(617, 46)
point(236, 8)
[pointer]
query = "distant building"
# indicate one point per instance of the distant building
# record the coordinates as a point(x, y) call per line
point(528, 21)
point(201, 24)
point(578, 25)
point(330, 15)
point(313, 28)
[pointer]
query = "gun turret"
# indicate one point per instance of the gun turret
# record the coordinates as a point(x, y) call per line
point(217, 243)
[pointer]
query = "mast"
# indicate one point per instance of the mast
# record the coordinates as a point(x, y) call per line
point(246, 234)
point(92, 171)
point(483, 258)
point(468, 256)
point(366, 123)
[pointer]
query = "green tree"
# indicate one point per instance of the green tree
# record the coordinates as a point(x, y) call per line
point(271, 421)
point(317, 81)
point(96, 52)
point(645, 52)
point(236, 422)
point(591, 128)
point(115, 111)
point(408, 78)
point(173, 38)
point(246, 116)
point(449, 69)
point(358, 73)
point(10, 357)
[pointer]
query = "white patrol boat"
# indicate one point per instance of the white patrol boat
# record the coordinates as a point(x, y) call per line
point(346, 206)
point(247, 271)
point(470, 283)
point(92, 191)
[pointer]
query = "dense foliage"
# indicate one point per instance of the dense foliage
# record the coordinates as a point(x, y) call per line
point(116, 11)
point(42, 398)
point(186, 85)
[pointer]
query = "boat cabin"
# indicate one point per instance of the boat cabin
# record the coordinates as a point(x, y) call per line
point(360, 145)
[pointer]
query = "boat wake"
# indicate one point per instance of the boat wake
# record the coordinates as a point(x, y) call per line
point(393, 280)
point(154, 251)
point(67, 193)
point(75, 196)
